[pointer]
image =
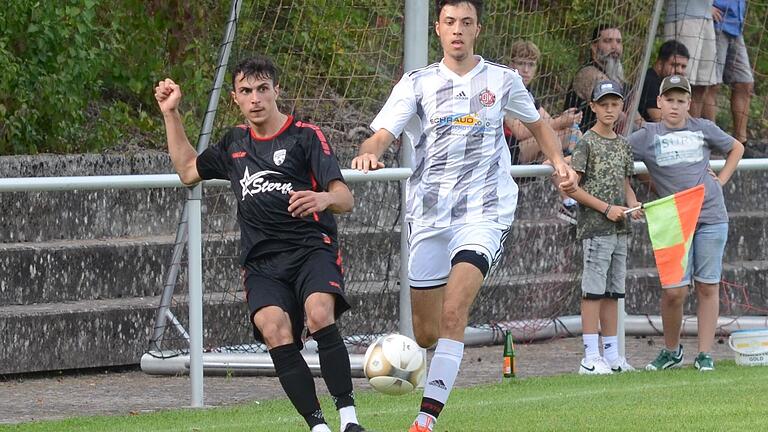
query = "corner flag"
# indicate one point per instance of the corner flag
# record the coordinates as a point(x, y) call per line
point(671, 224)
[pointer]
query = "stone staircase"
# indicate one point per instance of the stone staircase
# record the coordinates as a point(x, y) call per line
point(81, 272)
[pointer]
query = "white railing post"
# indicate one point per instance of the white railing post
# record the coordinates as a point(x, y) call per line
point(414, 56)
point(195, 269)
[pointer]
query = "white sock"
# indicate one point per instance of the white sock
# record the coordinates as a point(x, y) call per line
point(591, 346)
point(441, 375)
point(322, 427)
point(347, 415)
point(611, 348)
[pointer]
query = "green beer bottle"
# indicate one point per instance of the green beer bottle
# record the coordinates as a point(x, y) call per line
point(510, 368)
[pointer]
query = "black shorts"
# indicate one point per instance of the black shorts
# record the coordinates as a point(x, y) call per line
point(286, 279)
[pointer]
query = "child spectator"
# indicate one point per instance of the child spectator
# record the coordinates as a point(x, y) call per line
point(603, 161)
point(676, 152)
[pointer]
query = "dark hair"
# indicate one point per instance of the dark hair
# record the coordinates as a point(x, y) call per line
point(599, 29)
point(439, 4)
point(260, 67)
point(672, 48)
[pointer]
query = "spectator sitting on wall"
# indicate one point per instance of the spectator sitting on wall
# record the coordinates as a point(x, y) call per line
point(606, 50)
point(523, 147)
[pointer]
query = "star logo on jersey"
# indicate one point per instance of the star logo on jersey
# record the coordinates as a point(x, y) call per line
point(487, 98)
point(279, 157)
point(258, 183)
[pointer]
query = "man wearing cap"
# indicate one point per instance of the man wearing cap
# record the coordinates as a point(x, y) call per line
point(676, 152)
point(603, 161)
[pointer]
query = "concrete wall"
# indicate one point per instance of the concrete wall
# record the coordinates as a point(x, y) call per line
point(81, 272)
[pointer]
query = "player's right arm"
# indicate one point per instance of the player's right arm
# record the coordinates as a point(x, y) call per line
point(371, 150)
point(388, 125)
point(183, 155)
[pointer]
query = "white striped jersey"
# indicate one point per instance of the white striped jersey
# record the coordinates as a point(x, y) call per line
point(460, 157)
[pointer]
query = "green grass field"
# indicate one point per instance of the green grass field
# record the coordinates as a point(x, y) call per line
point(732, 398)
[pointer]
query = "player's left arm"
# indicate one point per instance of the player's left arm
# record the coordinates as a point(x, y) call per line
point(337, 199)
point(550, 146)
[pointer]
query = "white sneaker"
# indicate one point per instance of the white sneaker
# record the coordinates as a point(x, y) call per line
point(621, 365)
point(596, 366)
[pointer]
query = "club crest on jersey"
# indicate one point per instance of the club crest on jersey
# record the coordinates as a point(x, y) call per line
point(279, 157)
point(487, 98)
point(257, 183)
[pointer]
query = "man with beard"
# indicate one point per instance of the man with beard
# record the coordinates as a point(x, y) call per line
point(605, 64)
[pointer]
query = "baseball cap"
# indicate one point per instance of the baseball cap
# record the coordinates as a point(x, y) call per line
point(674, 82)
point(606, 87)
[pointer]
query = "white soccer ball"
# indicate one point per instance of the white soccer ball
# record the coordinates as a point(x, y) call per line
point(395, 364)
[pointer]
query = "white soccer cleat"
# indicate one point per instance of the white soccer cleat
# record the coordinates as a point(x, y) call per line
point(596, 366)
point(621, 365)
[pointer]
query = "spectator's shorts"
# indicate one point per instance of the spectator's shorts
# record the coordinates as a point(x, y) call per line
point(605, 266)
point(698, 35)
point(705, 259)
point(433, 248)
point(732, 60)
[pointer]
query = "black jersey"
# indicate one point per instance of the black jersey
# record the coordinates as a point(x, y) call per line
point(262, 172)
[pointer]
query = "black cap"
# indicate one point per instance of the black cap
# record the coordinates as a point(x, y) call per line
point(606, 87)
point(674, 82)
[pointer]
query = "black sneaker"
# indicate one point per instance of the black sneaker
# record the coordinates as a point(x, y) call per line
point(354, 427)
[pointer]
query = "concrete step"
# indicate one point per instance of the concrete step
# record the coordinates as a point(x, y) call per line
point(58, 271)
point(98, 333)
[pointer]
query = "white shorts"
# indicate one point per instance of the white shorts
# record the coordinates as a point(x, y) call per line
point(433, 248)
point(698, 35)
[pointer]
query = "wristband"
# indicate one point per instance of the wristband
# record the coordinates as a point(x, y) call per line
point(607, 209)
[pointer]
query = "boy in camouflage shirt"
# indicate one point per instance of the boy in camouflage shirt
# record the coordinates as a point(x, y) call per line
point(603, 161)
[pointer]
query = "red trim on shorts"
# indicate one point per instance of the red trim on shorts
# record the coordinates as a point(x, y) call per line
point(339, 261)
point(320, 136)
point(285, 126)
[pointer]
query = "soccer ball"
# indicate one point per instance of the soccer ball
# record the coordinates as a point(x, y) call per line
point(394, 364)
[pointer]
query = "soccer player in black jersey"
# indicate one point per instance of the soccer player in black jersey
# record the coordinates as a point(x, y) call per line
point(287, 183)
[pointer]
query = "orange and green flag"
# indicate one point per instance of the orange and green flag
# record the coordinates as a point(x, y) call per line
point(671, 224)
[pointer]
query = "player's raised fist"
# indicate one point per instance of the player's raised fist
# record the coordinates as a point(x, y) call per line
point(168, 95)
point(366, 162)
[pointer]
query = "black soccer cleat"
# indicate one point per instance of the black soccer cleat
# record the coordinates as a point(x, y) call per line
point(354, 427)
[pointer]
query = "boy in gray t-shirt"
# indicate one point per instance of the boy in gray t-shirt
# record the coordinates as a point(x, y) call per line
point(676, 152)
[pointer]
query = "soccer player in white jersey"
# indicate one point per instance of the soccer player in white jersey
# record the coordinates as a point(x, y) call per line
point(461, 198)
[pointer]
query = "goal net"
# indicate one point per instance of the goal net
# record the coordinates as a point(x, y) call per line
point(338, 63)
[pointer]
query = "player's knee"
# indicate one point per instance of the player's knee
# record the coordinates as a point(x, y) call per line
point(319, 316)
point(425, 338)
point(276, 333)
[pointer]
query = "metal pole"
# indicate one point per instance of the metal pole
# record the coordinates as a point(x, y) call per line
point(170, 280)
point(646, 59)
point(221, 71)
point(195, 269)
point(194, 204)
point(628, 127)
point(414, 56)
